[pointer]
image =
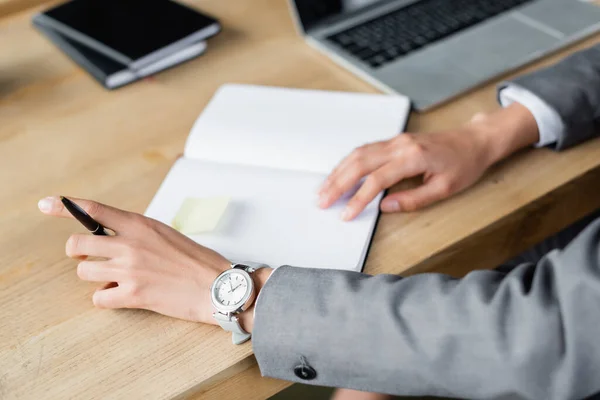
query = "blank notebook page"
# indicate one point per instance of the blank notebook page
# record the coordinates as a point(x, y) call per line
point(305, 130)
point(272, 216)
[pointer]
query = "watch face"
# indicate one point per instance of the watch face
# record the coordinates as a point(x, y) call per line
point(231, 290)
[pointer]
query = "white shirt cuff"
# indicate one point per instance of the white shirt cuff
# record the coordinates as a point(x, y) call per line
point(550, 126)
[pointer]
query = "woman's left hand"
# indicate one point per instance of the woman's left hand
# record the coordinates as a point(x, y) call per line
point(147, 264)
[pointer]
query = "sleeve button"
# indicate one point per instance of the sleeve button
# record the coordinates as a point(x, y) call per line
point(305, 372)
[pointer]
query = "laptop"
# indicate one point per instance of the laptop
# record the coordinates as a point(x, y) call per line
point(434, 50)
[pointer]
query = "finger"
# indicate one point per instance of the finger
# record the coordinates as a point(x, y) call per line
point(113, 297)
point(379, 180)
point(359, 153)
point(433, 190)
point(79, 245)
point(96, 271)
point(351, 170)
point(108, 216)
point(366, 153)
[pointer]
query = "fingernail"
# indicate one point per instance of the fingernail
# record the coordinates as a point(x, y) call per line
point(346, 214)
point(478, 117)
point(390, 206)
point(45, 204)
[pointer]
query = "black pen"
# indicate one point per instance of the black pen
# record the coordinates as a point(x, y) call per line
point(90, 223)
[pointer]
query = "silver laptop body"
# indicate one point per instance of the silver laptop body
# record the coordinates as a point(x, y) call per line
point(443, 69)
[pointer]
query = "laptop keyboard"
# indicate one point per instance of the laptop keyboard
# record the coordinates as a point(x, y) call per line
point(386, 38)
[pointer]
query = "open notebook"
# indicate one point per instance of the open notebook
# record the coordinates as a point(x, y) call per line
point(268, 150)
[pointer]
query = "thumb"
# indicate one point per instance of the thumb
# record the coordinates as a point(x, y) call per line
point(434, 190)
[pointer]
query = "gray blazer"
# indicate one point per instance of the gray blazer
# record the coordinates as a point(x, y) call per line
point(532, 332)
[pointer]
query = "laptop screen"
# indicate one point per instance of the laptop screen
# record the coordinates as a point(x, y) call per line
point(311, 12)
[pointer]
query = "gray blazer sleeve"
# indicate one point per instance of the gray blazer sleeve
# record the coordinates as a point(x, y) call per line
point(572, 88)
point(532, 333)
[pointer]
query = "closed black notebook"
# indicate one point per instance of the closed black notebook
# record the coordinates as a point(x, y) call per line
point(110, 73)
point(135, 33)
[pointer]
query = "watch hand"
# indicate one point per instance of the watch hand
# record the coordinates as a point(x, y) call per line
point(233, 288)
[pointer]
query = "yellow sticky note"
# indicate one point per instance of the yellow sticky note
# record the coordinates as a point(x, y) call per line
point(198, 215)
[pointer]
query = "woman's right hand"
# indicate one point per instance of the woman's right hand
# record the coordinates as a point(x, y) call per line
point(147, 265)
point(449, 161)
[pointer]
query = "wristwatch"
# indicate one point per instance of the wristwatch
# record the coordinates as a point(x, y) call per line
point(231, 293)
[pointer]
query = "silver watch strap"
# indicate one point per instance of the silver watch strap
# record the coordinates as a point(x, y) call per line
point(252, 266)
point(232, 324)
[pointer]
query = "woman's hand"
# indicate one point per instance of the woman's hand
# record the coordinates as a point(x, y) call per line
point(146, 265)
point(449, 162)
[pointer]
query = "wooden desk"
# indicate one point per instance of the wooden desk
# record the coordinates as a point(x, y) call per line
point(8, 7)
point(60, 133)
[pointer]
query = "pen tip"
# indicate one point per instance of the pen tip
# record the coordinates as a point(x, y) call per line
point(62, 197)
